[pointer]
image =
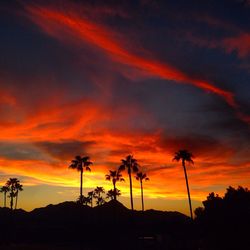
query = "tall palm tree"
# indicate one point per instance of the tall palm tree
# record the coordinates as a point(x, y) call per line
point(113, 193)
point(12, 184)
point(4, 189)
point(140, 177)
point(114, 176)
point(81, 163)
point(185, 156)
point(19, 187)
point(130, 163)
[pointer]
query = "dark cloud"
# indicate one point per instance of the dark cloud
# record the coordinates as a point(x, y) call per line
point(65, 150)
point(20, 151)
point(199, 145)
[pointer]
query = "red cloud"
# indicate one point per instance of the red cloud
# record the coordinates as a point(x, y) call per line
point(240, 44)
point(53, 22)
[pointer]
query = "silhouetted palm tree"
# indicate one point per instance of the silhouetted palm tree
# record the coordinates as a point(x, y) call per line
point(19, 187)
point(140, 177)
point(12, 184)
point(97, 194)
point(100, 201)
point(131, 165)
point(81, 163)
point(4, 189)
point(185, 156)
point(113, 193)
point(114, 176)
point(84, 200)
point(91, 196)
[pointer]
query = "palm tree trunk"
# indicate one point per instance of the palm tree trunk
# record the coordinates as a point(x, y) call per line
point(16, 200)
point(131, 192)
point(189, 199)
point(114, 191)
point(11, 202)
point(142, 202)
point(4, 199)
point(81, 198)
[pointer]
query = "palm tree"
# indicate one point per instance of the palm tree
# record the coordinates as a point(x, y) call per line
point(4, 189)
point(19, 187)
point(114, 176)
point(97, 194)
point(85, 200)
point(140, 177)
point(100, 201)
point(130, 163)
point(113, 193)
point(12, 184)
point(81, 163)
point(91, 196)
point(185, 156)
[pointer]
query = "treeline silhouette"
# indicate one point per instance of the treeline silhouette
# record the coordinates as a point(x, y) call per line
point(224, 222)
point(130, 164)
point(81, 164)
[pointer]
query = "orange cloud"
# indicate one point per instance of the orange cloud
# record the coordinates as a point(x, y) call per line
point(7, 98)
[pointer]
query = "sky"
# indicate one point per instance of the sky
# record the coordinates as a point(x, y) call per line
point(112, 78)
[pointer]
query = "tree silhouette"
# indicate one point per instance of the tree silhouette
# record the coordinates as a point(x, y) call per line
point(81, 163)
point(185, 156)
point(19, 187)
point(91, 196)
point(97, 194)
point(4, 189)
point(130, 163)
point(224, 221)
point(114, 176)
point(113, 193)
point(14, 186)
point(85, 200)
point(140, 177)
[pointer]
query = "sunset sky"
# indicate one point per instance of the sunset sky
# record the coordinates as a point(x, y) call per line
point(112, 78)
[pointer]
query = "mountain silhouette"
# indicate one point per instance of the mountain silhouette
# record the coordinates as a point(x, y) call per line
point(78, 227)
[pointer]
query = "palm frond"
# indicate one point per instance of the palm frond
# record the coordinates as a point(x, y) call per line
point(135, 168)
point(88, 168)
point(122, 167)
point(185, 155)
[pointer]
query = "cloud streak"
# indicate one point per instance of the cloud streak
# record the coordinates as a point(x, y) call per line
point(52, 21)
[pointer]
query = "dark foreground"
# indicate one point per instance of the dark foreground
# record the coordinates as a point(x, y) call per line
point(113, 226)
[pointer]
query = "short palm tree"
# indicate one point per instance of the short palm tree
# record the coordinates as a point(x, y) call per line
point(185, 156)
point(114, 176)
point(130, 163)
point(140, 177)
point(91, 196)
point(19, 188)
point(84, 200)
point(4, 189)
point(113, 193)
point(81, 163)
point(97, 194)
